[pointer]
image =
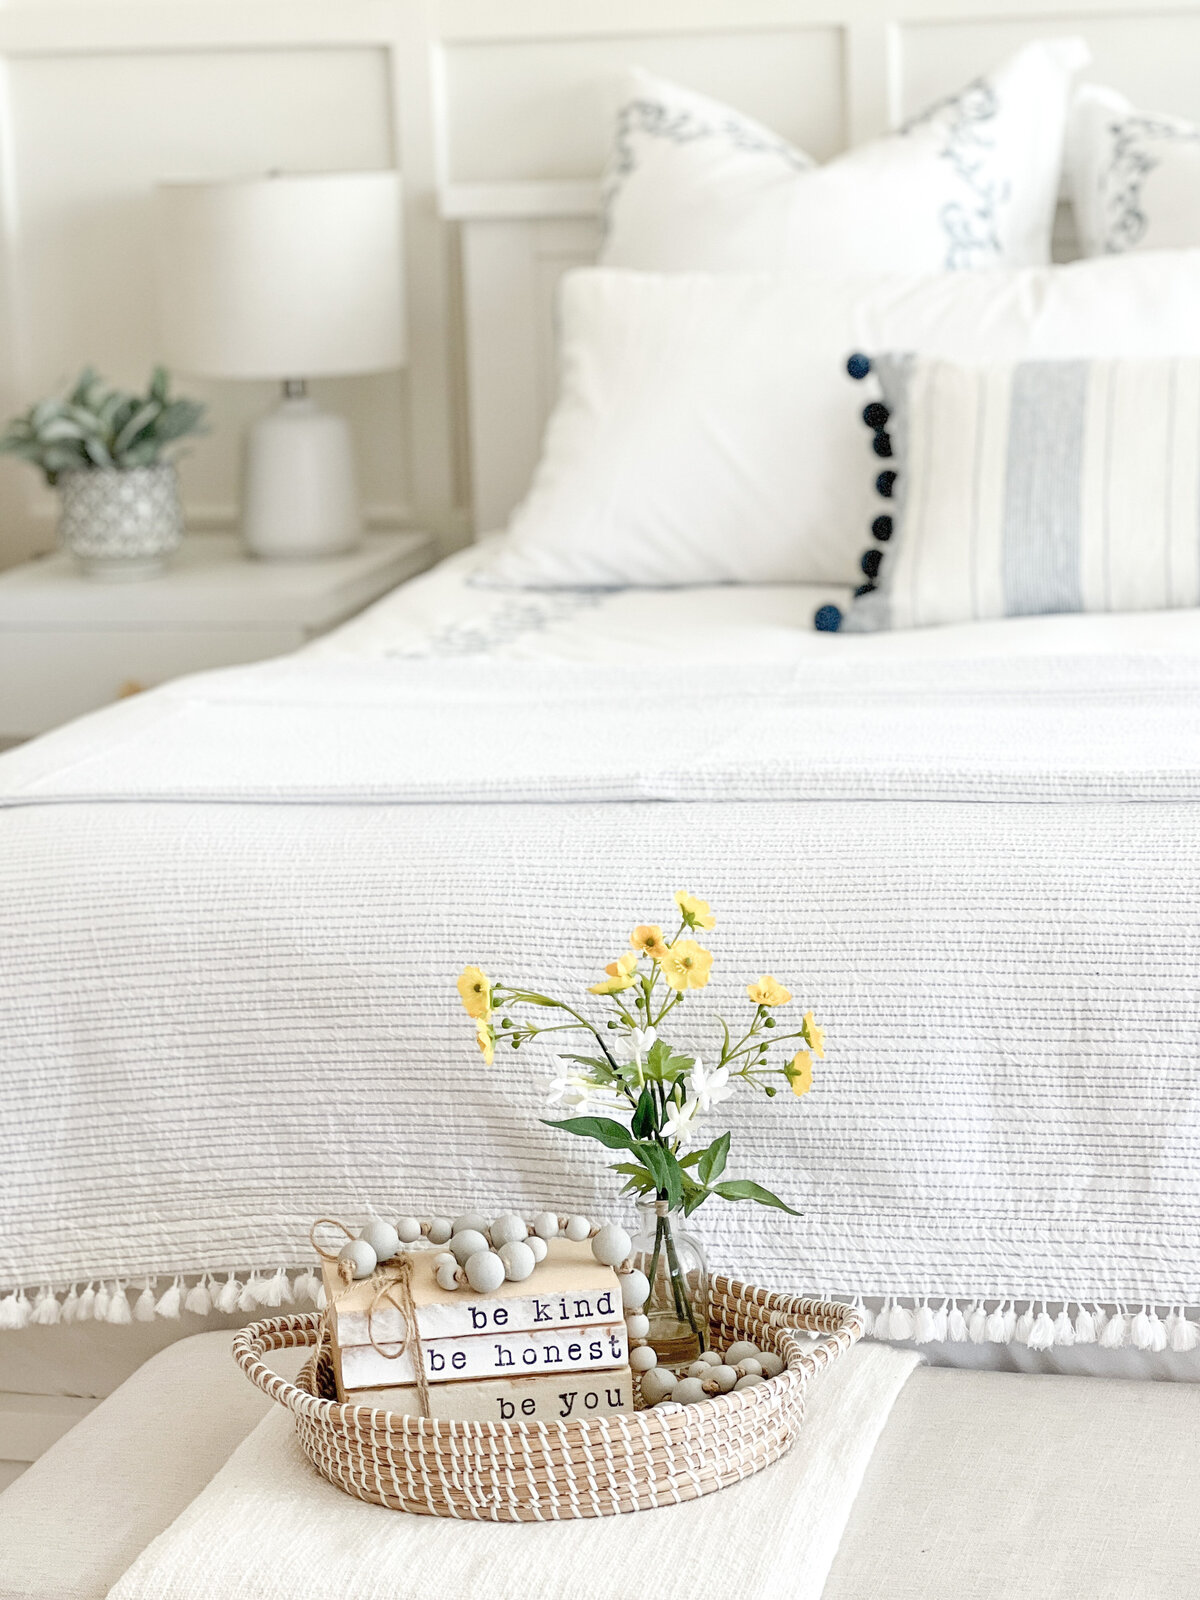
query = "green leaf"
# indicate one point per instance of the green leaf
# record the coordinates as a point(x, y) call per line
point(745, 1189)
point(588, 1061)
point(645, 1116)
point(640, 1181)
point(691, 1159)
point(603, 1129)
point(712, 1160)
point(694, 1196)
point(668, 1178)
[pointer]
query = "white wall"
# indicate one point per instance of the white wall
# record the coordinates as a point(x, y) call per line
point(99, 100)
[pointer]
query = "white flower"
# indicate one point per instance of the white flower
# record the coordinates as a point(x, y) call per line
point(679, 1121)
point(572, 1093)
point(640, 1040)
point(708, 1089)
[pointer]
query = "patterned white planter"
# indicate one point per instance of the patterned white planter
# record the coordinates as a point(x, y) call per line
point(121, 524)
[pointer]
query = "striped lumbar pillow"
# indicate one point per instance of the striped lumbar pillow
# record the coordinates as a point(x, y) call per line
point(1043, 486)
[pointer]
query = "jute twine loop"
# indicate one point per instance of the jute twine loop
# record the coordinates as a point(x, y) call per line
point(392, 1283)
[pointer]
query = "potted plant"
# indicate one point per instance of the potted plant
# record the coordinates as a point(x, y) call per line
point(643, 1097)
point(110, 456)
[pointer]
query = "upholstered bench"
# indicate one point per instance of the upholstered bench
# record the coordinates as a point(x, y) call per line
point(981, 1485)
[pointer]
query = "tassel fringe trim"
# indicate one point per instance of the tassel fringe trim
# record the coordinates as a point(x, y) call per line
point(1039, 1324)
point(125, 1300)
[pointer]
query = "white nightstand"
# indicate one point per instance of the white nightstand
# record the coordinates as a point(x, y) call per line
point(69, 644)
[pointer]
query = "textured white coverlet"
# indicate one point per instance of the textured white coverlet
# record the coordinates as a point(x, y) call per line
point(267, 1525)
point(221, 1019)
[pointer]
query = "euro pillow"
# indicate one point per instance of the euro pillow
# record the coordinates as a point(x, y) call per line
point(707, 431)
point(693, 185)
point(1133, 177)
point(1042, 486)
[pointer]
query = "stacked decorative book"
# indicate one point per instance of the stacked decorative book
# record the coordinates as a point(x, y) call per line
point(518, 1354)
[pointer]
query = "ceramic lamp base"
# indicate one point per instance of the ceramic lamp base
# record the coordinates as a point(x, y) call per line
point(300, 499)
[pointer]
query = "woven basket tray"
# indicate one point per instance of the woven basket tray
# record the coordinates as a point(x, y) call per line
point(533, 1472)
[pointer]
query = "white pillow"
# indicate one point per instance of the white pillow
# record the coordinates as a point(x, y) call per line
point(1134, 178)
point(707, 430)
point(693, 185)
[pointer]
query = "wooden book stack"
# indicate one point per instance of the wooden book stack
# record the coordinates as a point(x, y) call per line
point(551, 1348)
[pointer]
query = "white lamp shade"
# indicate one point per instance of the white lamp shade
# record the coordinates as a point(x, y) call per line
point(282, 277)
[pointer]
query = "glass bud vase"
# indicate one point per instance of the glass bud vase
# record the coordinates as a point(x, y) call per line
point(675, 1264)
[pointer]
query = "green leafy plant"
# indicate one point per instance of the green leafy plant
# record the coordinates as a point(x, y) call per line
point(94, 427)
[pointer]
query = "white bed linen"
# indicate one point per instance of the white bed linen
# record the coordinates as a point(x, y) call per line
point(220, 1019)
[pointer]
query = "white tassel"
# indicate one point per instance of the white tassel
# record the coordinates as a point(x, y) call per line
point(1041, 1335)
point(169, 1304)
point(286, 1297)
point(941, 1318)
point(307, 1286)
point(1114, 1335)
point(12, 1314)
point(100, 1303)
point(227, 1296)
point(46, 1311)
point(1185, 1335)
point(900, 1323)
point(1010, 1323)
point(923, 1326)
point(270, 1292)
point(143, 1306)
point(70, 1308)
point(956, 1325)
point(322, 1299)
point(87, 1305)
point(1158, 1330)
point(199, 1300)
point(1100, 1318)
point(1064, 1333)
point(977, 1324)
point(118, 1306)
point(1024, 1326)
point(248, 1300)
point(997, 1325)
point(1085, 1326)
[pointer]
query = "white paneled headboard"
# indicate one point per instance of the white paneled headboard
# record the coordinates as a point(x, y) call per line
point(498, 114)
point(527, 101)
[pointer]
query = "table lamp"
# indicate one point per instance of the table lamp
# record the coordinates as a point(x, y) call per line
point(288, 278)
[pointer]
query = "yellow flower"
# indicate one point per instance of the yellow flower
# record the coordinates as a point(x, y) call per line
point(648, 940)
point(621, 974)
point(686, 965)
point(485, 1038)
point(695, 912)
point(814, 1036)
point(769, 992)
point(476, 991)
point(799, 1072)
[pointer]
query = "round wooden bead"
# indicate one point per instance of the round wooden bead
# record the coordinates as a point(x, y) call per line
point(710, 1358)
point(485, 1271)
point(444, 1259)
point(545, 1225)
point(470, 1219)
point(509, 1229)
point(724, 1377)
point(750, 1379)
point(748, 1369)
point(742, 1351)
point(440, 1230)
point(518, 1260)
point(408, 1230)
point(578, 1229)
point(611, 1245)
point(538, 1246)
point(688, 1391)
point(382, 1238)
point(361, 1258)
point(635, 1289)
point(771, 1364)
point(657, 1384)
point(447, 1274)
point(698, 1369)
point(467, 1244)
point(637, 1326)
point(643, 1359)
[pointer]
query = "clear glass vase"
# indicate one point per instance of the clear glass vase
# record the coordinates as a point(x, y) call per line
point(677, 1269)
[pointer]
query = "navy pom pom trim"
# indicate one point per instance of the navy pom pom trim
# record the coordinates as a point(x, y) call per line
point(882, 444)
point(871, 562)
point(858, 366)
point(864, 588)
point(827, 619)
point(881, 529)
point(885, 483)
point(876, 415)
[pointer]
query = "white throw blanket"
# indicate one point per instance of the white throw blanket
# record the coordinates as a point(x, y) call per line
point(232, 913)
point(268, 1526)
